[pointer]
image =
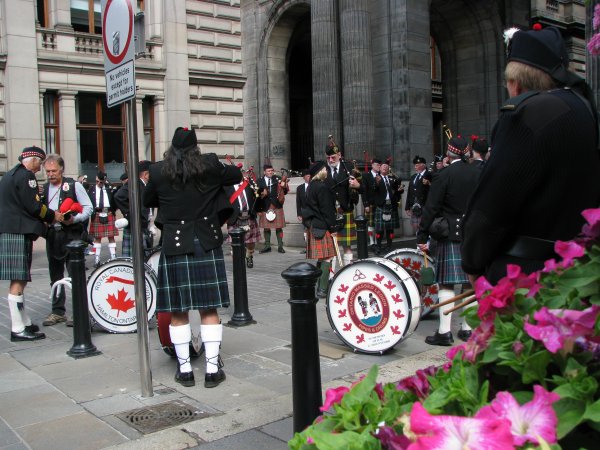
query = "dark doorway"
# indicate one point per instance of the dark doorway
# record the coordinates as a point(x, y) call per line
point(299, 69)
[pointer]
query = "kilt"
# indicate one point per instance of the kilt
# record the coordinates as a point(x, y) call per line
point(415, 220)
point(319, 248)
point(252, 235)
point(279, 221)
point(99, 230)
point(191, 282)
point(15, 257)
point(127, 242)
point(378, 221)
point(347, 235)
point(369, 216)
point(448, 268)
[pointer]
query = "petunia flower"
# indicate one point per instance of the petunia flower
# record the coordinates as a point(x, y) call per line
point(568, 251)
point(498, 299)
point(458, 433)
point(476, 344)
point(529, 422)
point(559, 328)
point(418, 383)
point(390, 439)
point(596, 19)
point(594, 44)
point(333, 396)
point(592, 216)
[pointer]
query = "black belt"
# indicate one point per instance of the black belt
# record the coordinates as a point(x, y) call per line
point(527, 247)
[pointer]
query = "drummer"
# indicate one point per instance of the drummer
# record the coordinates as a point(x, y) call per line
point(187, 187)
point(319, 218)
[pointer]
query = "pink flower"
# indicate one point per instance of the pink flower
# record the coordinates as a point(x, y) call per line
point(500, 297)
point(596, 19)
point(559, 328)
point(310, 440)
point(592, 216)
point(333, 396)
point(569, 251)
point(454, 432)
point(518, 347)
point(530, 421)
point(476, 344)
point(594, 44)
point(391, 440)
point(418, 383)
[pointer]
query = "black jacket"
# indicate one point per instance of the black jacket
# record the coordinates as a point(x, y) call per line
point(111, 200)
point(271, 198)
point(368, 182)
point(250, 198)
point(345, 196)
point(417, 191)
point(121, 201)
point(300, 199)
point(379, 192)
point(187, 212)
point(22, 210)
point(319, 211)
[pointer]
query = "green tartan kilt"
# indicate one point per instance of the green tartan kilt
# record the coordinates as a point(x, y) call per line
point(15, 257)
point(378, 221)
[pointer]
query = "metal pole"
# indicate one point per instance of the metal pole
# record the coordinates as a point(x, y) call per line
point(82, 336)
point(241, 315)
point(361, 237)
point(137, 251)
point(306, 370)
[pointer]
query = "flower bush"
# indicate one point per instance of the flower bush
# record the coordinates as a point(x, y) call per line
point(527, 378)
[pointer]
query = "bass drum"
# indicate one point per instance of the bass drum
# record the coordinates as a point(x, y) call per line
point(152, 258)
point(373, 304)
point(163, 320)
point(413, 260)
point(111, 295)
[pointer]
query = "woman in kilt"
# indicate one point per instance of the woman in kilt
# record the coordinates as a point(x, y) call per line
point(21, 222)
point(387, 193)
point(187, 189)
point(319, 216)
point(448, 197)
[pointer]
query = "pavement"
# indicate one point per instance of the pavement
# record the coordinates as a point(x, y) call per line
point(49, 400)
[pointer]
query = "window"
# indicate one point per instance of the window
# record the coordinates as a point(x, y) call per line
point(100, 136)
point(42, 12)
point(148, 113)
point(51, 130)
point(86, 16)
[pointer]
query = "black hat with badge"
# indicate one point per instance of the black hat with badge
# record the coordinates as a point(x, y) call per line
point(316, 167)
point(184, 138)
point(419, 160)
point(458, 145)
point(28, 152)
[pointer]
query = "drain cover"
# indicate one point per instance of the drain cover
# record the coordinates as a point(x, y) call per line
point(164, 415)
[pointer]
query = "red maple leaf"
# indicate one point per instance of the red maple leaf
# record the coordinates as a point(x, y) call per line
point(396, 298)
point(416, 265)
point(398, 314)
point(406, 262)
point(347, 326)
point(427, 301)
point(395, 329)
point(120, 302)
point(378, 278)
point(389, 285)
point(343, 288)
point(433, 289)
point(360, 339)
point(339, 300)
point(341, 313)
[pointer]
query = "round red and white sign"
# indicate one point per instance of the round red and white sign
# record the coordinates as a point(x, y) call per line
point(117, 24)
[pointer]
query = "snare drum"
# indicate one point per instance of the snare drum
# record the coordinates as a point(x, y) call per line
point(412, 260)
point(373, 304)
point(111, 295)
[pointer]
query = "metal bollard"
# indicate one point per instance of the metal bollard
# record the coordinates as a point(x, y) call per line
point(241, 315)
point(306, 370)
point(82, 335)
point(361, 237)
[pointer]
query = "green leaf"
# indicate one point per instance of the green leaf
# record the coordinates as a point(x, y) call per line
point(346, 440)
point(592, 412)
point(534, 367)
point(569, 413)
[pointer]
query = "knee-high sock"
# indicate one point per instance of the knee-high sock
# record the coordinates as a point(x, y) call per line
point(97, 250)
point(112, 248)
point(15, 305)
point(267, 232)
point(211, 335)
point(347, 258)
point(279, 234)
point(464, 325)
point(181, 335)
point(445, 320)
point(324, 280)
point(371, 233)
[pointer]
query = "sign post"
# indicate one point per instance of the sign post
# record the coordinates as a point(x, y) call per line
point(119, 68)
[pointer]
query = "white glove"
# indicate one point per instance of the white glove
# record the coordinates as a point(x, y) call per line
point(153, 230)
point(121, 223)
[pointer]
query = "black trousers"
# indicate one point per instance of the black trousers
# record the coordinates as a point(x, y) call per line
point(57, 254)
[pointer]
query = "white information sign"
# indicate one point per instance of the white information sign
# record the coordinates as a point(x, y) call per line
point(119, 51)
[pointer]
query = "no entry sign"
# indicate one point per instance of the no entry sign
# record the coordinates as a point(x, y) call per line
point(119, 52)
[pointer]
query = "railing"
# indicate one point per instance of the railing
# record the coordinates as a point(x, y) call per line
point(49, 39)
point(552, 5)
point(436, 88)
point(88, 43)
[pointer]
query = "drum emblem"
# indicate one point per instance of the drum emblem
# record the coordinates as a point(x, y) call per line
point(368, 307)
point(121, 302)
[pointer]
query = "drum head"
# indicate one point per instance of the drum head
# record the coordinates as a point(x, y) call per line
point(111, 295)
point(370, 305)
point(153, 257)
point(413, 261)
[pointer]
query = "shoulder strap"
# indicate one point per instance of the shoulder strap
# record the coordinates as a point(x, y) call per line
point(512, 103)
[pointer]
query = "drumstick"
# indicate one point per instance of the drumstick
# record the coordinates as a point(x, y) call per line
point(337, 251)
point(468, 301)
point(454, 299)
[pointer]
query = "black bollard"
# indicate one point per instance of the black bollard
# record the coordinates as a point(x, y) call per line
point(361, 237)
point(241, 315)
point(306, 370)
point(82, 335)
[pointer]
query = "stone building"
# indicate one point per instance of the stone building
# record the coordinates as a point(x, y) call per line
point(264, 80)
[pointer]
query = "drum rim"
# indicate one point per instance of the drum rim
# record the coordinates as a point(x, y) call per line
point(151, 311)
point(409, 250)
point(409, 314)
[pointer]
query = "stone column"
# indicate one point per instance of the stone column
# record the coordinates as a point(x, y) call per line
point(162, 137)
point(59, 14)
point(139, 99)
point(249, 61)
point(326, 78)
point(68, 132)
point(357, 77)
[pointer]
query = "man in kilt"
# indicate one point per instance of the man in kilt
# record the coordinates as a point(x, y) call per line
point(21, 222)
point(121, 200)
point(387, 192)
point(418, 190)
point(319, 218)
point(243, 198)
point(346, 189)
point(448, 197)
point(187, 189)
point(272, 194)
point(368, 179)
point(102, 224)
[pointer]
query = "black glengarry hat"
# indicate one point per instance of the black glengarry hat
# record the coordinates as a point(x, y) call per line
point(316, 167)
point(32, 151)
point(458, 145)
point(419, 160)
point(184, 138)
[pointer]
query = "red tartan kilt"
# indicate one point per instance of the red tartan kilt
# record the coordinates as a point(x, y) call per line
point(99, 230)
point(279, 221)
point(319, 248)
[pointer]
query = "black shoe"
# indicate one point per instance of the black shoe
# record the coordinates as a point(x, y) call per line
point(280, 250)
point(212, 380)
point(265, 250)
point(444, 339)
point(249, 262)
point(185, 378)
point(377, 250)
point(33, 328)
point(321, 293)
point(26, 335)
point(464, 335)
